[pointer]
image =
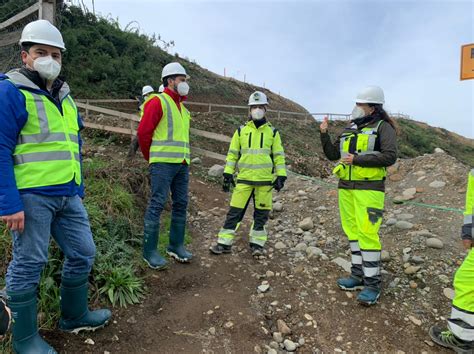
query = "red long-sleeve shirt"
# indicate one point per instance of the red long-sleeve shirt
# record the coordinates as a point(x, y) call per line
point(152, 114)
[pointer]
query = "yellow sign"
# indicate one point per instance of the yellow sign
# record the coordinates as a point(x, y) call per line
point(467, 62)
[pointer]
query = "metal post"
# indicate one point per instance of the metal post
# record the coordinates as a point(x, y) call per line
point(47, 10)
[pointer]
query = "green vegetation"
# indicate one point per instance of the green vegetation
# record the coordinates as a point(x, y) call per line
point(104, 61)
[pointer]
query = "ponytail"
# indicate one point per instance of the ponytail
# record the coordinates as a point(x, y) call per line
point(382, 113)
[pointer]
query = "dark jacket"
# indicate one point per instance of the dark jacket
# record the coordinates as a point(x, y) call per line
point(386, 143)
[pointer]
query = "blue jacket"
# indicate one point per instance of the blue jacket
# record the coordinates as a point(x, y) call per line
point(13, 117)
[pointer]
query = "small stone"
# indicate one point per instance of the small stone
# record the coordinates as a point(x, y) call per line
point(449, 293)
point(216, 171)
point(89, 341)
point(395, 177)
point(272, 351)
point(289, 345)
point(278, 337)
point(344, 264)
point(196, 161)
point(301, 247)
point(409, 192)
point(132, 320)
point(277, 206)
point(437, 184)
point(312, 252)
point(283, 327)
point(269, 274)
point(403, 225)
point(229, 324)
point(415, 320)
point(434, 242)
point(412, 269)
point(263, 288)
point(391, 222)
point(280, 245)
point(308, 317)
point(413, 284)
point(438, 151)
point(306, 224)
point(385, 256)
point(444, 278)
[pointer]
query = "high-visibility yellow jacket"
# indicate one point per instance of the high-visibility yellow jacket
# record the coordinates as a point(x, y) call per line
point(360, 142)
point(257, 153)
point(47, 149)
point(170, 142)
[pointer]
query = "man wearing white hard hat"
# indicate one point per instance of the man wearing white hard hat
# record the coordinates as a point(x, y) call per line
point(163, 135)
point(364, 150)
point(41, 188)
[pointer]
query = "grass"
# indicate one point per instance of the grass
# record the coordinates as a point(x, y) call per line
point(115, 201)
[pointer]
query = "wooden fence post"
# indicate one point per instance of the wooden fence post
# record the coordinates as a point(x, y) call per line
point(47, 10)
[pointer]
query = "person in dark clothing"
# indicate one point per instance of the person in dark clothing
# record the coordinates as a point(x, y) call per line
point(365, 149)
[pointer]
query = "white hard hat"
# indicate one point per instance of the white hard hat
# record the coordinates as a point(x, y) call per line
point(161, 88)
point(173, 69)
point(371, 94)
point(257, 98)
point(147, 89)
point(42, 32)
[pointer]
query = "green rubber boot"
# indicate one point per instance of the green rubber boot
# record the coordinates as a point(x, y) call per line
point(150, 243)
point(26, 339)
point(176, 247)
point(75, 314)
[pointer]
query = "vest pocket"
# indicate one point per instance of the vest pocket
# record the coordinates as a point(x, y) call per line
point(341, 171)
point(368, 173)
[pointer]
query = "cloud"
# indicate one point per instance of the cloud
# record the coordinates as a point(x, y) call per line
point(320, 53)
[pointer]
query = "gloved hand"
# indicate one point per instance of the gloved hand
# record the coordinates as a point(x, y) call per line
point(228, 180)
point(279, 183)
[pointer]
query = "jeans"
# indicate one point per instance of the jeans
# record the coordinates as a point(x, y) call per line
point(166, 177)
point(64, 218)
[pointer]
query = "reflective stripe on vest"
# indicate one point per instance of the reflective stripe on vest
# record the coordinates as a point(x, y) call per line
point(469, 210)
point(47, 150)
point(360, 142)
point(171, 144)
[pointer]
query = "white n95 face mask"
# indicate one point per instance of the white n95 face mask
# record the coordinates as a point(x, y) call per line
point(183, 88)
point(358, 112)
point(47, 67)
point(257, 113)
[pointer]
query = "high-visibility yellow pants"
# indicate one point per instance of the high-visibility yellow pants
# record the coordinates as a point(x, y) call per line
point(241, 196)
point(461, 322)
point(361, 216)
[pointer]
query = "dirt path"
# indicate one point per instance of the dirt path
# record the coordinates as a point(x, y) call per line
point(212, 305)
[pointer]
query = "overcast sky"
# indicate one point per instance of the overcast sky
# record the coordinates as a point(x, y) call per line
point(320, 53)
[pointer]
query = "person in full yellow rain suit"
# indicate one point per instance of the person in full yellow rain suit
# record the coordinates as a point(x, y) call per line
point(257, 150)
point(459, 335)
